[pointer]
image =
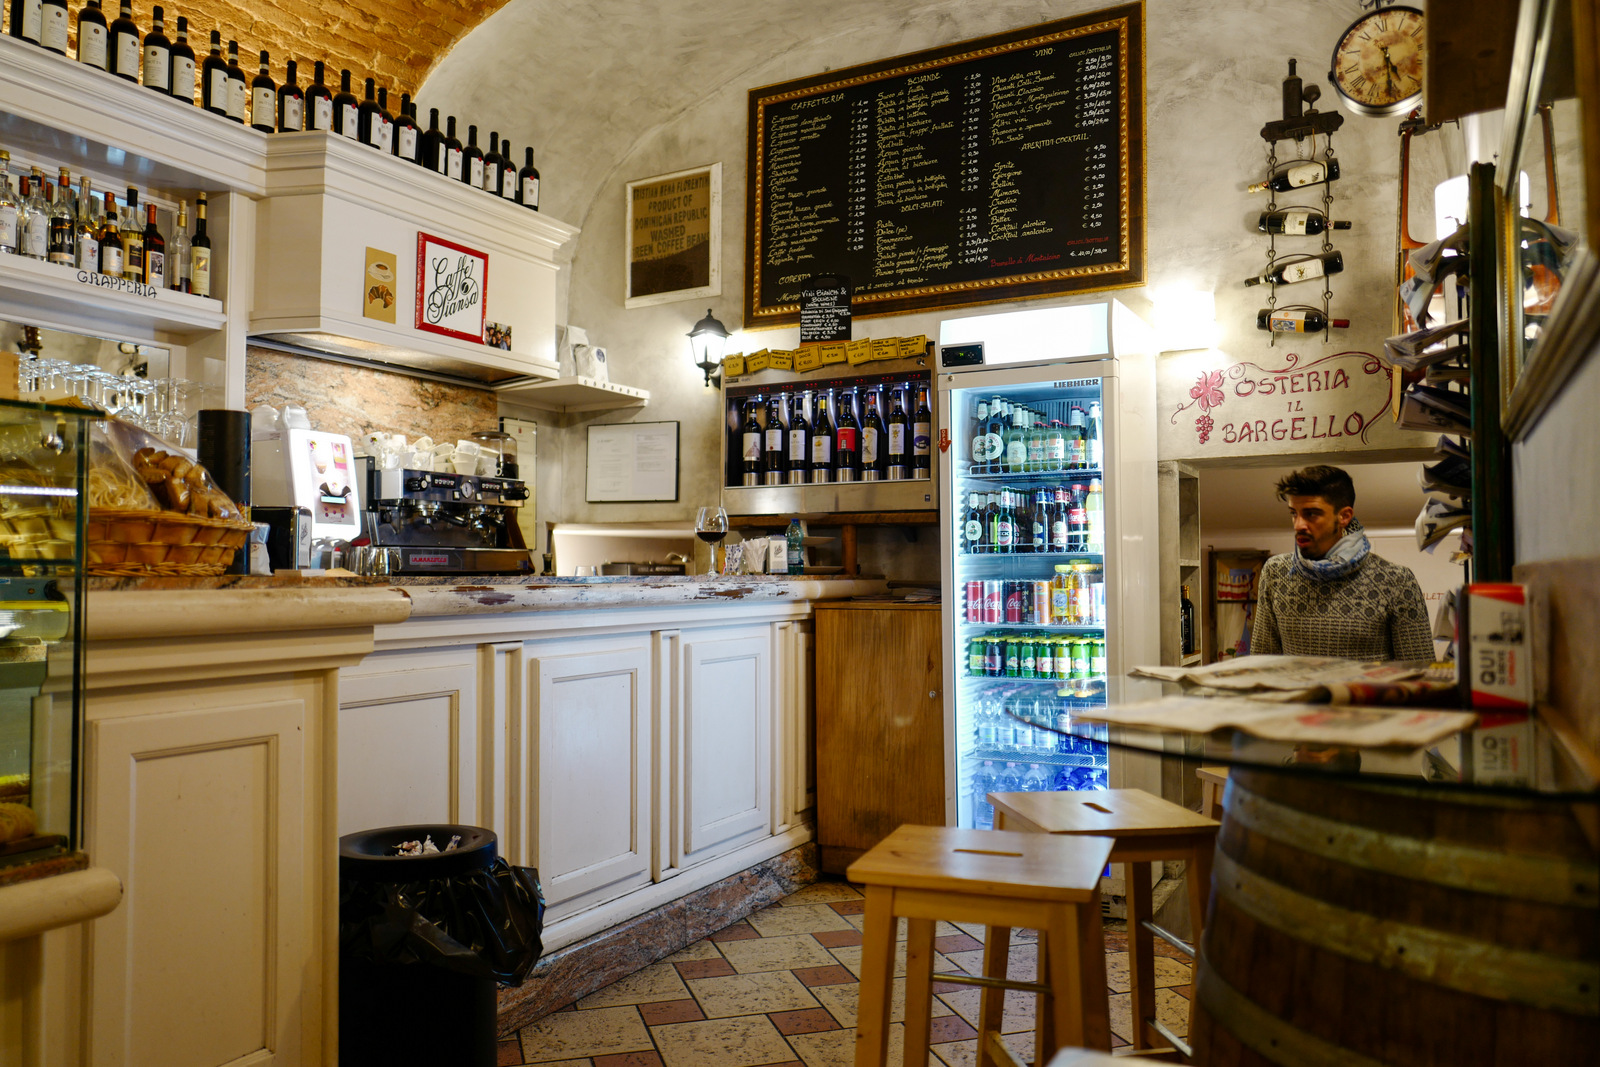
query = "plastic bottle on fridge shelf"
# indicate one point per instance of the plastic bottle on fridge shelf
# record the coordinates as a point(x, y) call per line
point(1094, 510)
point(1035, 781)
point(985, 729)
point(1007, 779)
point(982, 786)
point(1062, 781)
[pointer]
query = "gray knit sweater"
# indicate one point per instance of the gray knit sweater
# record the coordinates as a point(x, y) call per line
point(1377, 613)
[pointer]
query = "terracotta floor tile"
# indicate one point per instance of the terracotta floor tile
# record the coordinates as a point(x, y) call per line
point(629, 1059)
point(576, 1034)
point(803, 1021)
point(837, 938)
point(736, 932)
point(704, 968)
point(1171, 1009)
point(775, 953)
point(849, 907)
point(671, 1011)
point(742, 1042)
point(841, 1000)
point(956, 1053)
point(1169, 972)
point(657, 982)
point(850, 956)
point(817, 976)
point(751, 994)
point(956, 943)
point(800, 919)
point(948, 987)
point(950, 1028)
point(508, 1053)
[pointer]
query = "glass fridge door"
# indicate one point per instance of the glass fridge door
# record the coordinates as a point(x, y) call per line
point(1030, 591)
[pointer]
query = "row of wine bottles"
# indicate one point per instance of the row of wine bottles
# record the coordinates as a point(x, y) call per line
point(169, 67)
point(46, 222)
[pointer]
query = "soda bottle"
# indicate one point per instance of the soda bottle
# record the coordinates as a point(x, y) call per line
point(975, 654)
point(1026, 658)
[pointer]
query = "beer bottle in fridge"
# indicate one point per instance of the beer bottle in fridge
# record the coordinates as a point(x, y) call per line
point(980, 436)
point(1058, 519)
point(899, 425)
point(750, 444)
point(922, 436)
point(799, 438)
point(772, 455)
point(1040, 525)
point(995, 438)
point(846, 442)
point(972, 526)
point(822, 442)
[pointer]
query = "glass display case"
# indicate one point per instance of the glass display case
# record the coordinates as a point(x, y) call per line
point(43, 450)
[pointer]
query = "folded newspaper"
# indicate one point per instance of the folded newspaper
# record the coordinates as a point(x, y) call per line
point(1302, 723)
point(1283, 672)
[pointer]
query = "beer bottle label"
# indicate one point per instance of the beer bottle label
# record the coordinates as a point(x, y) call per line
point(1017, 454)
point(1003, 534)
point(973, 531)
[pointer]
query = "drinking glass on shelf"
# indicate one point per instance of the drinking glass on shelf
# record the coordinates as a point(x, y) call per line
point(711, 526)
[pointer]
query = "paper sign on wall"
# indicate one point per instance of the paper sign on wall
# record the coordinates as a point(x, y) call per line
point(379, 283)
point(452, 286)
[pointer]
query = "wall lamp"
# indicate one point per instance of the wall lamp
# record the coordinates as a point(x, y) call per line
point(706, 342)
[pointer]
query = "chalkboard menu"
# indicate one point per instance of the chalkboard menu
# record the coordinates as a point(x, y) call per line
point(995, 169)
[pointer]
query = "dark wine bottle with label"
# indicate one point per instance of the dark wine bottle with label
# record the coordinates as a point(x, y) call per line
point(214, 78)
point(822, 442)
point(750, 445)
point(238, 85)
point(491, 165)
point(898, 426)
point(385, 124)
point(472, 160)
point(291, 102)
point(874, 441)
point(452, 150)
point(111, 240)
point(508, 173)
point(53, 23)
point(263, 99)
point(433, 144)
point(93, 35)
point(319, 102)
point(200, 252)
point(369, 128)
point(846, 442)
point(346, 109)
point(1296, 320)
point(155, 251)
point(26, 20)
point(774, 460)
point(133, 240)
point(124, 50)
point(1300, 269)
point(181, 78)
point(799, 441)
point(922, 436)
point(1300, 175)
point(157, 54)
point(1296, 222)
point(528, 183)
point(405, 131)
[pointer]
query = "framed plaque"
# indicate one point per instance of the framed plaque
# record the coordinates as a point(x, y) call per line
point(452, 288)
point(674, 237)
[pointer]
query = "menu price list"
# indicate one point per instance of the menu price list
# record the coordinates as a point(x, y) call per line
point(960, 171)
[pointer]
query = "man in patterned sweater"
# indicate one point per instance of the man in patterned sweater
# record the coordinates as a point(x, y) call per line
point(1332, 596)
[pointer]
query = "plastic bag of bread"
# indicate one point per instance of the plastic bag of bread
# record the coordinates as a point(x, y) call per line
point(170, 480)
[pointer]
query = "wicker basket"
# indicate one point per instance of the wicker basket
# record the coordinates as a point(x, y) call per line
point(132, 544)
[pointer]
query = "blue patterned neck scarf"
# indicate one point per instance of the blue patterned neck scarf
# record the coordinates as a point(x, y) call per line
point(1342, 560)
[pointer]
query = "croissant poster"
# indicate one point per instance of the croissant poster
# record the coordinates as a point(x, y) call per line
point(379, 281)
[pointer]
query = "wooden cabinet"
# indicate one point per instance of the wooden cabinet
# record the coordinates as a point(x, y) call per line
point(880, 724)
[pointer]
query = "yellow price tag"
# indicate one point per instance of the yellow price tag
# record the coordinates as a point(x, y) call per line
point(733, 366)
point(757, 361)
point(780, 359)
point(833, 353)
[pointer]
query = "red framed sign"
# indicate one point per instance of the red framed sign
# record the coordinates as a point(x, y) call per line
point(452, 286)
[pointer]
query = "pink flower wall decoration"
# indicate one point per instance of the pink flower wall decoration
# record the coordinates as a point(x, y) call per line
point(1208, 390)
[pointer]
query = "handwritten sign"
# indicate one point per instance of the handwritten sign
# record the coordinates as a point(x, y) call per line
point(825, 309)
point(452, 286)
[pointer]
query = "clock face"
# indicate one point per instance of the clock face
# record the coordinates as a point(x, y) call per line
point(1377, 64)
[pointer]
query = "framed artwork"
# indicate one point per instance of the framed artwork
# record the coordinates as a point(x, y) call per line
point(674, 237)
point(452, 288)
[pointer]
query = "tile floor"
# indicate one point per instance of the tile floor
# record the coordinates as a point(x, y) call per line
point(780, 988)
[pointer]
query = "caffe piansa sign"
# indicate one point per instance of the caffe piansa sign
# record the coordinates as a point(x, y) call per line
point(452, 281)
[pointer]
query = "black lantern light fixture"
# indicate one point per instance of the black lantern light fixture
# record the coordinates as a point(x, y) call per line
point(706, 342)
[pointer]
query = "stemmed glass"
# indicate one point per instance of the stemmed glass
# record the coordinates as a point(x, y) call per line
point(711, 526)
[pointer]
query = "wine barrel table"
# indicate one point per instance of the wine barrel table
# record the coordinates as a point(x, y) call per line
point(1359, 924)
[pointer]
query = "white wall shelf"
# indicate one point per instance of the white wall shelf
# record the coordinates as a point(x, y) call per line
point(66, 298)
point(575, 394)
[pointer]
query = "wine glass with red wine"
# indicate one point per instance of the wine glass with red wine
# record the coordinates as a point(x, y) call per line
point(711, 525)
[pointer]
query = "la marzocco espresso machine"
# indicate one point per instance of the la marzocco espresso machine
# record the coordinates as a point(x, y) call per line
point(446, 523)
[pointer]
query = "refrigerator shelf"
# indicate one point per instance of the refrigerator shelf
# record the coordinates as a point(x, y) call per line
point(980, 558)
point(1065, 474)
point(1035, 627)
point(1034, 755)
point(1094, 680)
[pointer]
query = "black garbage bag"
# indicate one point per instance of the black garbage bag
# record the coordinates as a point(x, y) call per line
point(465, 910)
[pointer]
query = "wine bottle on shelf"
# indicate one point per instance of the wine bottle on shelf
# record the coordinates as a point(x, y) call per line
point(799, 440)
point(472, 160)
point(452, 150)
point(291, 101)
point(214, 78)
point(1296, 320)
point(157, 54)
point(433, 144)
point(178, 251)
point(1310, 172)
point(111, 240)
point(10, 208)
point(86, 250)
point(491, 165)
point(821, 441)
point(26, 18)
point(405, 130)
point(181, 76)
point(922, 436)
point(1186, 623)
point(897, 425)
point(200, 252)
point(773, 466)
point(62, 246)
point(369, 128)
point(528, 183)
point(124, 53)
point(155, 251)
point(846, 441)
point(92, 35)
point(53, 23)
point(346, 109)
point(319, 102)
point(874, 442)
point(385, 124)
point(35, 224)
point(1297, 221)
point(508, 173)
point(238, 85)
point(1301, 270)
point(132, 239)
point(750, 445)
point(263, 99)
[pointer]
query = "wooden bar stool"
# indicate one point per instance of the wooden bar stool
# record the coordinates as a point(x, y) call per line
point(1213, 780)
point(925, 874)
point(1145, 829)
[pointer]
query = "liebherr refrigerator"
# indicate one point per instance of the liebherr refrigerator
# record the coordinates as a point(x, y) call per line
point(1048, 536)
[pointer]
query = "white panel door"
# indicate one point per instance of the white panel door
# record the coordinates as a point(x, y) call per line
point(727, 738)
point(201, 814)
point(590, 747)
point(408, 740)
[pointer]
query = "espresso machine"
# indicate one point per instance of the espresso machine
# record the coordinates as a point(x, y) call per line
point(446, 523)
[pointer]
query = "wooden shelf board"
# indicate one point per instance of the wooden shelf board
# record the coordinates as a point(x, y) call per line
point(1192, 659)
point(1188, 563)
point(841, 518)
point(576, 394)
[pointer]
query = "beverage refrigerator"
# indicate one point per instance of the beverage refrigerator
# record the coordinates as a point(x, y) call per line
point(1047, 468)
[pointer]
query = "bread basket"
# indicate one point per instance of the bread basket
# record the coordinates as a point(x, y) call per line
point(131, 544)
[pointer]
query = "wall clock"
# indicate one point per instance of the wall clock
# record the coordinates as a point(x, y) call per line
point(1377, 64)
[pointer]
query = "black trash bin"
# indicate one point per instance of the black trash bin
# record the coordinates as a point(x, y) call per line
point(424, 942)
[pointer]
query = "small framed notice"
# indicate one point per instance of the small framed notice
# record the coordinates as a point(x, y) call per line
point(674, 237)
point(452, 284)
point(825, 309)
point(632, 462)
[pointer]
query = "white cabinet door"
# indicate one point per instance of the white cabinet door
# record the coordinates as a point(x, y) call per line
point(726, 793)
point(590, 747)
point(794, 715)
point(409, 728)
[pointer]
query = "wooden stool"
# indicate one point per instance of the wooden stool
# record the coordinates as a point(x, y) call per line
point(930, 873)
point(1146, 829)
point(1213, 780)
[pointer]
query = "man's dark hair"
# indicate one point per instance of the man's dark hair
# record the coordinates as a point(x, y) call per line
point(1330, 483)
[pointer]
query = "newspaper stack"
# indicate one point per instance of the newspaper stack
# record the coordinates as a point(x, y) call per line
point(1440, 515)
point(1432, 407)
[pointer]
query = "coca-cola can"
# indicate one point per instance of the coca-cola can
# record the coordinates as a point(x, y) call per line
point(993, 601)
point(975, 602)
point(1014, 594)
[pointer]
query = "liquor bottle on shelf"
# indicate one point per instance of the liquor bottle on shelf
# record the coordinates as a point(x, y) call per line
point(1296, 320)
point(1097, 451)
point(291, 101)
point(53, 23)
point(385, 124)
point(508, 173)
point(750, 445)
point(124, 52)
point(1297, 221)
point(898, 425)
point(1310, 172)
point(86, 253)
point(874, 454)
point(180, 78)
point(155, 251)
point(528, 182)
point(64, 189)
point(178, 251)
point(157, 55)
point(33, 224)
point(200, 252)
point(472, 160)
point(132, 239)
point(263, 99)
point(238, 85)
point(822, 443)
point(491, 165)
point(346, 109)
point(214, 78)
point(846, 440)
point(452, 150)
point(62, 239)
point(369, 128)
point(92, 34)
point(922, 436)
point(319, 102)
point(432, 145)
point(773, 466)
point(1186, 622)
point(1301, 269)
point(799, 438)
point(111, 240)
point(405, 131)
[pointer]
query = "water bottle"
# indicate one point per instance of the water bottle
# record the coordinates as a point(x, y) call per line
point(1062, 781)
point(1035, 781)
point(982, 786)
point(796, 548)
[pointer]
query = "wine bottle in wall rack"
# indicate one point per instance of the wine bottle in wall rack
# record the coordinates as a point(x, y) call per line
point(1296, 320)
point(369, 128)
point(346, 109)
point(62, 240)
point(1297, 221)
point(92, 35)
point(1311, 172)
point(291, 102)
point(87, 248)
point(182, 71)
point(53, 23)
point(157, 54)
point(238, 85)
point(319, 102)
point(432, 144)
point(214, 78)
point(528, 183)
point(132, 240)
point(491, 166)
point(263, 99)
point(200, 252)
point(155, 251)
point(452, 151)
point(385, 124)
point(1301, 269)
point(26, 17)
point(508, 173)
point(405, 131)
point(178, 251)
point(124, 52)
point(472, 160)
